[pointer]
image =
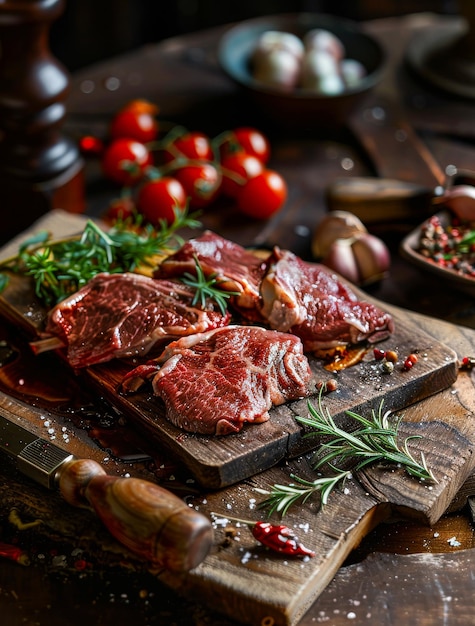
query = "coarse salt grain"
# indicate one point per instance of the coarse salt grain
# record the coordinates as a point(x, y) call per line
point(453, 542)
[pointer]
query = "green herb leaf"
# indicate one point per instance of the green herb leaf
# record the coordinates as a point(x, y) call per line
point(207, 288)
point(375, 442)
point(4, 280)
point(282, 497)
point(58, 269)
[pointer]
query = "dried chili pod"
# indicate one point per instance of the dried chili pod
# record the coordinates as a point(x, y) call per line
point(13, 553)
point(277, 537)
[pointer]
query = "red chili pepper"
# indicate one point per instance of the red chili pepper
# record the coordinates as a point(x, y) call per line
point(13, 553)
point(279, 538)
point(468, 362)
point(275, 536)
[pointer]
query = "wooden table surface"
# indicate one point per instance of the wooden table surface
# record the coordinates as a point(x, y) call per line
point(404, 571)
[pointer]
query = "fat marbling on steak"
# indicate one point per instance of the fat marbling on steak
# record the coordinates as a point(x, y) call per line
point(311, 302)
point(121, 315)
point(213, 383)
point(285, 293)
point(236, 269)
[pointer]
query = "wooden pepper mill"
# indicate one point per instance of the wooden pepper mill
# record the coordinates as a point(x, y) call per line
point(40, 168)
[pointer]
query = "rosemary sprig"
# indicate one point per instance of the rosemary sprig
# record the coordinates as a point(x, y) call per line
point(376, 441)
point(207, 288)
point(282, 497)
point(61, 268)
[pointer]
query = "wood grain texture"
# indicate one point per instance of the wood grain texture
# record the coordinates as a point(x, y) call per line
point(241, 579)
point(216, 462)
point(382, 589)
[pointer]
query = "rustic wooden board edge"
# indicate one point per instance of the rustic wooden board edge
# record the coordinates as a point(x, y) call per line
point(214, 468)
point(336, 538)
point(333, 538)
point(294, 595)
point(259, 447)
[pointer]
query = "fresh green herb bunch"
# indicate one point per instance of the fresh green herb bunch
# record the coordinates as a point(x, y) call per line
point(207, 287)
point(376, 441)
point(58, 269)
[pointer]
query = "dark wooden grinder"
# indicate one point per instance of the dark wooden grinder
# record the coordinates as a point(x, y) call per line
point(40, 168)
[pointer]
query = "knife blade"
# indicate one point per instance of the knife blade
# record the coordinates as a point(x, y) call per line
point(149, 520)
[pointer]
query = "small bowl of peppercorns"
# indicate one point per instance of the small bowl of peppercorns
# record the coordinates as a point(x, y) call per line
point(302, 70)
point(444, 244)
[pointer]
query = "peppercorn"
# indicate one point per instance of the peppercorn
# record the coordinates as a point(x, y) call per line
point(391, 355)
point(387, 367)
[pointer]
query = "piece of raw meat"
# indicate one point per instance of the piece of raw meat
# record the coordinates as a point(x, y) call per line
point(215, 382)
point(122, 315)
point(236, 269)
point(311, 302)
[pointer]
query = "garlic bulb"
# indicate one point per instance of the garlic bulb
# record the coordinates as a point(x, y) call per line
point(276, 59)
point(279, 68)
point(335, 225)
point(342, 243)
point(316, 62)
point(460, 199)
point(324, 40)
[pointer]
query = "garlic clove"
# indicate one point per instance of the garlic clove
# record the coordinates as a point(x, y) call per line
point(335, 225)
point(372, 258)
point(460, 199)
point(341, 259)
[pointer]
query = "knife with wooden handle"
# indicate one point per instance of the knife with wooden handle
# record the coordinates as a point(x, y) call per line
point(408, 175)
point(381, 199)
point(152, 522)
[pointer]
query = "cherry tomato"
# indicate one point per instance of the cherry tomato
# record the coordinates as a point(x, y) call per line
point(201, 181)
point(90, 145)
point(125, 160)
point(192, 145)
point(120, 209)
point(157, 199)
point(249, 140)
point(135, 121)
point(236, 170)
point(263, 195)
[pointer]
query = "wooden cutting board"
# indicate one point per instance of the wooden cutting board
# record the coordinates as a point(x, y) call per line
point(239, 578)
point(217, 462)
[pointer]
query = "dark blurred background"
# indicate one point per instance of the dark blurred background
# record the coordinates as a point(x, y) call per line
point(93, 30)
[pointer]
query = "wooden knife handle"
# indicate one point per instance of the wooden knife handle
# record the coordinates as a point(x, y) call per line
point(148, 519)
point(380, 199)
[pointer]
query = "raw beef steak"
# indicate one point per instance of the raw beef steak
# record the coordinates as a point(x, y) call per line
point(237, 269)
point(310, 301)
point(119, 315)
point(214, 382)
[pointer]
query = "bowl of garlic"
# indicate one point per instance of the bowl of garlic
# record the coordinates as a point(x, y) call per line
point(302, 70)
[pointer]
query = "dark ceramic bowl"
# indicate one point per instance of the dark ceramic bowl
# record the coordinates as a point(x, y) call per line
point(301, 107)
